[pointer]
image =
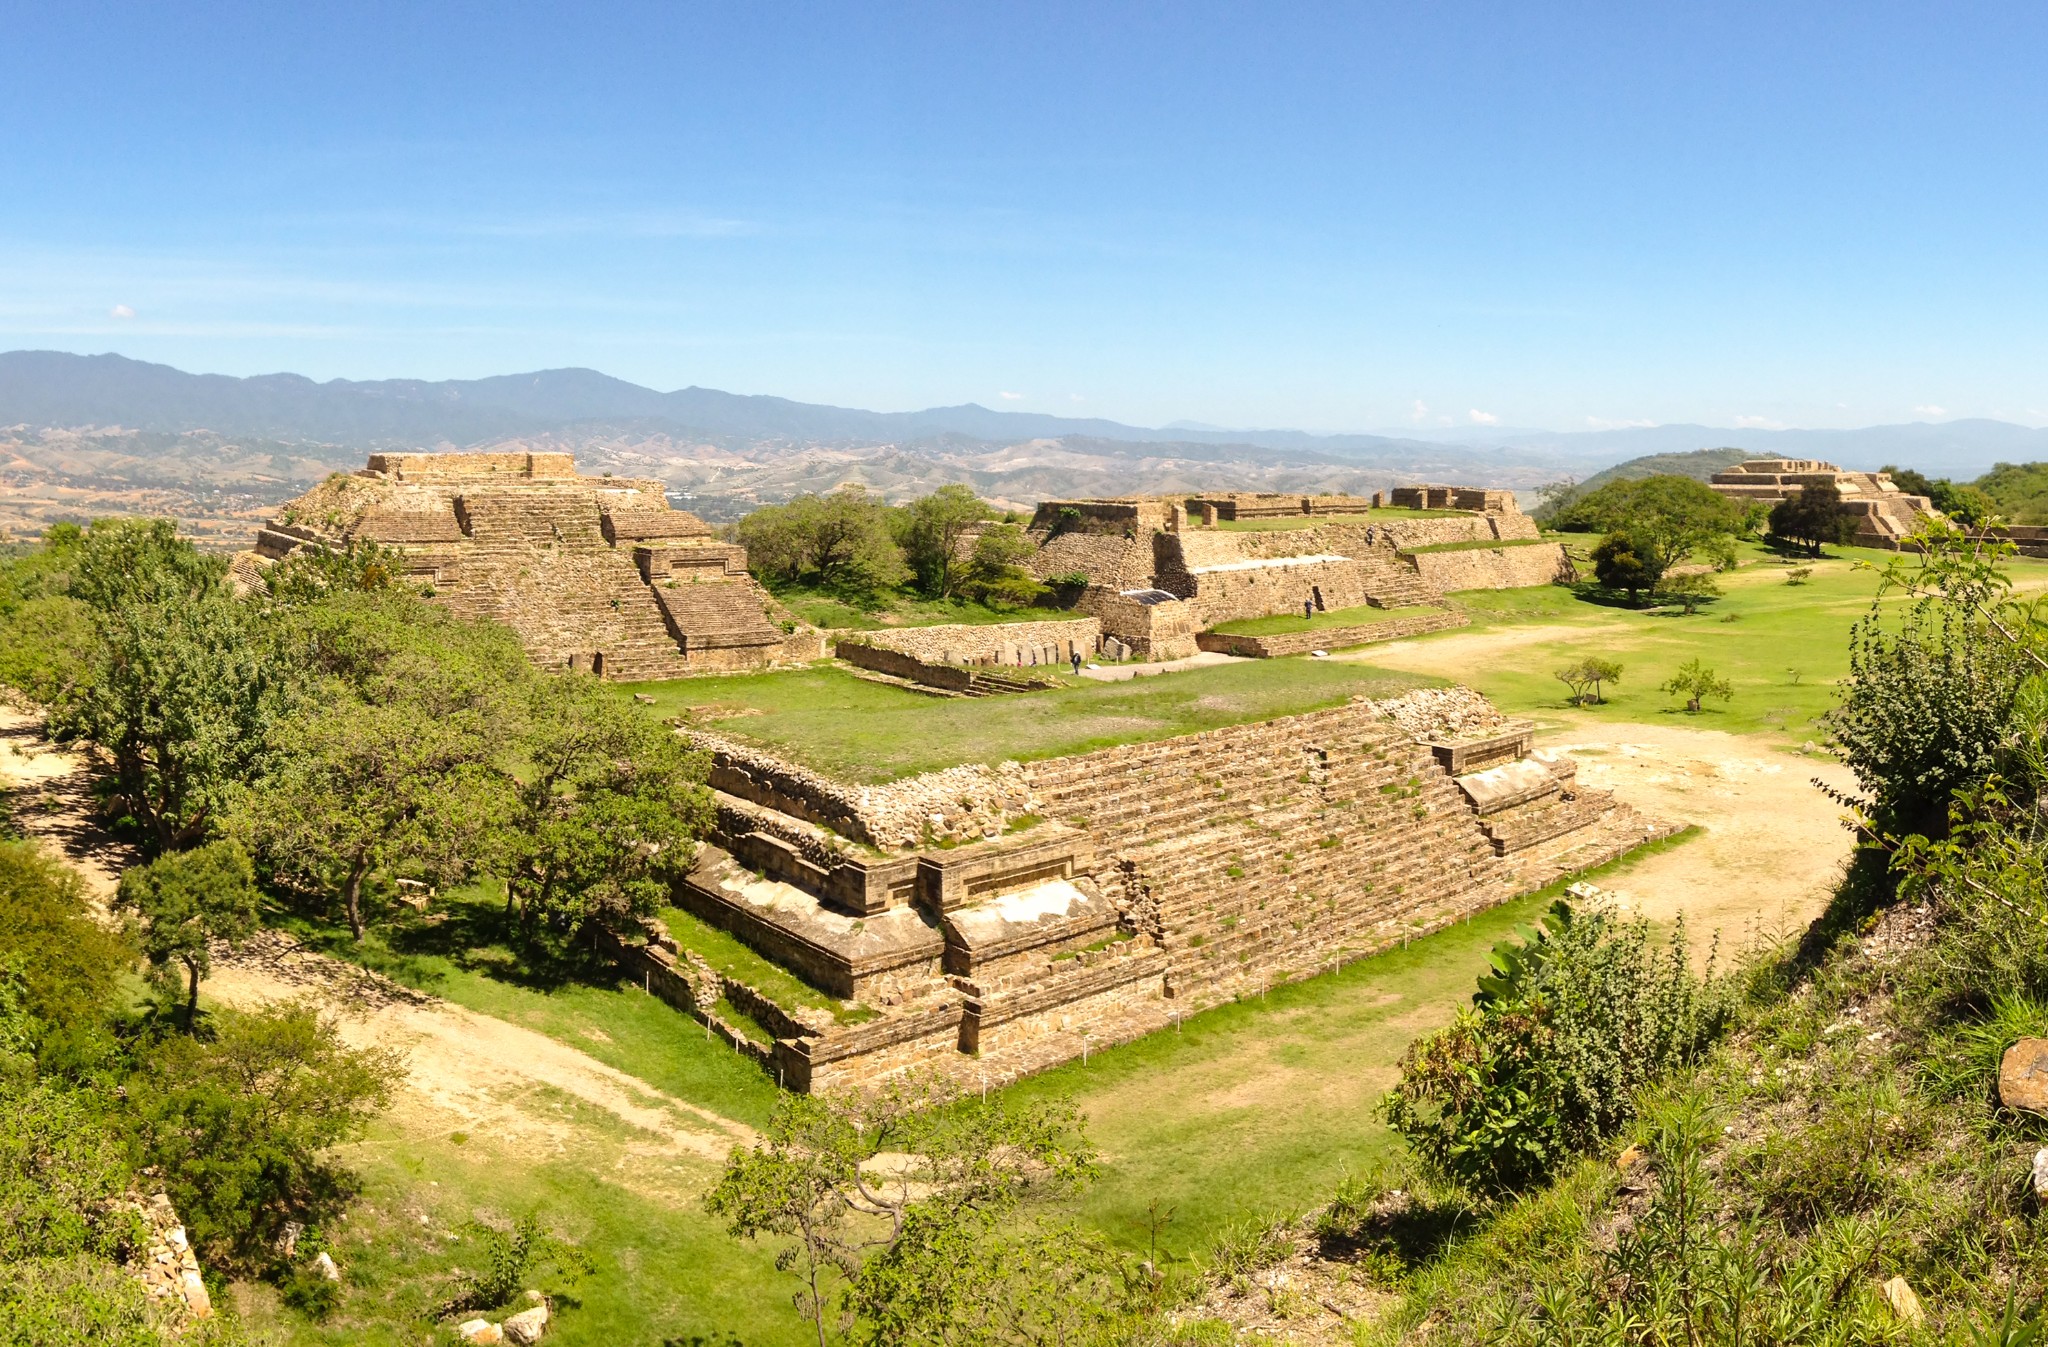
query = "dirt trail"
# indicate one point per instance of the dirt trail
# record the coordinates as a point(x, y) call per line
point(1773, 844)
point(465, 1071)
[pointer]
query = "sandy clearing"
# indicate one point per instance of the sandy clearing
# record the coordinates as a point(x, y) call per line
point(1437, 654)
point(1773, 845)
point(464, 1070)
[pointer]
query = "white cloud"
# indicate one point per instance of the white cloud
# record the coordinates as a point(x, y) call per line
point(120, 311)
point(1420, 410)
point(1010, 397)
point(1075, 397)
point(1931, 410)
point(1758, 423)
point(1480, 418)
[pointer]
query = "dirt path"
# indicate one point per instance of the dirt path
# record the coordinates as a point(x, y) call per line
point(465, 1071)
point(1773, 844)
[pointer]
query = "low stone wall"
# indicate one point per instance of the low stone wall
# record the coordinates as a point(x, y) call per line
point(1330, 638)
point(1024, 643)
point(1491, 567)
point(897, 664)
point(955, 804)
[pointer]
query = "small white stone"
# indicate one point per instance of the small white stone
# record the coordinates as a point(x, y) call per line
point(324, 1265)
point(480, 1331)
point(2041, 1172)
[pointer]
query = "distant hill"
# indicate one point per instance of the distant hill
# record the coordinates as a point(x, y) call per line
point(1696, 463)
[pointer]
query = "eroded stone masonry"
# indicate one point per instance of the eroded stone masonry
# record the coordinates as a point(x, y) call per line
point(1158, 571)
point(993, 921)
point(594, 573)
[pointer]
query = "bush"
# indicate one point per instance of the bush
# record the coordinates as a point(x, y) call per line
point(1575, 1017)
point(239, 1126)
point(67, 962)
point(1923, 713)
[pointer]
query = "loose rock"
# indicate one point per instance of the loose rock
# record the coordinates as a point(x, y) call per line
point(481, 1331)
point(526, 1326)
point(1904, 1303)
point(324, 1265)
point(2041, 1173)
point(2023, 1076)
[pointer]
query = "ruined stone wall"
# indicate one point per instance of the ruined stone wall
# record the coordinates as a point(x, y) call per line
point(1112, 561)
point(1264, 591)
point(1491, 567)
point(455, 467)
point(1331, 638)
point(1152, 631)
point(1467, 529)
point(1026, 643)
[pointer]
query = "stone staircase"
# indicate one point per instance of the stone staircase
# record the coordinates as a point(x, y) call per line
point(1391, 582)
point(1256, 865)
point(538, 562)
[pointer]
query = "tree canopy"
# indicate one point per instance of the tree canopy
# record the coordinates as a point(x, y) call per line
point(1667, 521)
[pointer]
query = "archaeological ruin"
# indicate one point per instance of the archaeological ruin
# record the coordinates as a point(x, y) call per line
point(1884, 514)
point(991, 921)
point(594, 573)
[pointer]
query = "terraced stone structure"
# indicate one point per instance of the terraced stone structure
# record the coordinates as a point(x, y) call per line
point(1884, 514)
point(1036, 911)
point(1158, 571)
point(594, 573)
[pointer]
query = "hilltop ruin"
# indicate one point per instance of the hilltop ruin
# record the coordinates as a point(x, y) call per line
point(594, 573)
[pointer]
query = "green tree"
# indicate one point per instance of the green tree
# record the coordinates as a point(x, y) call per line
point(1619, 563)
point(1813, 517)
point(399, 760)
point(995, 572)
point(240, 1125)
point(844, 1179)
point(187, 900)
point(606, 813)
point(373, 788)
point(931, 529)
point(1695, 682)
point(1668, 520)
point(1585, 676)
point(840, 542)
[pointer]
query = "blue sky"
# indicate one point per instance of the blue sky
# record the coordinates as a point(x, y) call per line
point(1341, 217)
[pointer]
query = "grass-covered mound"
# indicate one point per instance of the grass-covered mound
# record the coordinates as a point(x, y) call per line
point(862, 731)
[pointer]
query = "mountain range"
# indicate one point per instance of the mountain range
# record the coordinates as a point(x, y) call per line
point(81, 433)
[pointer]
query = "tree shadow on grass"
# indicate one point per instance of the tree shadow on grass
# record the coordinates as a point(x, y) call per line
point(466, 931)
point(1586, 591)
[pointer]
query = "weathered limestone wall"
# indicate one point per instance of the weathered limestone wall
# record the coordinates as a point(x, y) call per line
point(1026, 643)
point(1112, 561)
point(1333, 638)
point(1160, 630)
point(1468, 529)
point(1491, 567)
point(1279, 586)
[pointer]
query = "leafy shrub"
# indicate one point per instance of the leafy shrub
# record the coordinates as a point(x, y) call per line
point(510, 1259)
point(239, 1126)
point(1575, 1017)
point(1924, 712)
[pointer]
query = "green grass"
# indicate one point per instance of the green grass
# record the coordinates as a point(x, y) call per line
point(1261, 1106)
point(1783, 646)
point(900, 609)
point(725, 953)
point(663, 1270)
point(579, 1001)
point(869, 732)
point(1309, 521)
point(1477, 545)
point(1287, 623)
